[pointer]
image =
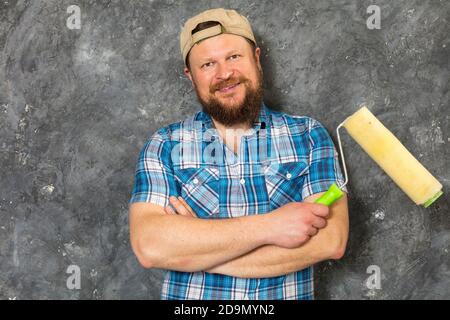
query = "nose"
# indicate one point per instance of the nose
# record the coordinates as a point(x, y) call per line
point(223, 71)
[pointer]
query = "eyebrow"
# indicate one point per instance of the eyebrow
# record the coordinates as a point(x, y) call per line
point(229, 53)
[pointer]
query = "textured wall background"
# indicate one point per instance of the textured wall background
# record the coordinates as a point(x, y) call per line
point(76, 106)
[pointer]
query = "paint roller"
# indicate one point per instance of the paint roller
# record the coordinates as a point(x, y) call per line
point(390, 154)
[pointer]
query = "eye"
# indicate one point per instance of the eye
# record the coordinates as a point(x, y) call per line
point(208, 64)
point(235, 56)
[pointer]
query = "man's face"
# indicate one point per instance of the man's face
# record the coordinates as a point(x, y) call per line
point(227, 77)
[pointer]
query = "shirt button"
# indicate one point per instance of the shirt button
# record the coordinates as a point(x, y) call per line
point(242, 181)
point(288, 175)
point(195, 180)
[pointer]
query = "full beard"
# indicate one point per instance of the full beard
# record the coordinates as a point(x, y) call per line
point(243, 113)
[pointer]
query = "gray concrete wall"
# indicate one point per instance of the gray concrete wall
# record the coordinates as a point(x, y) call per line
point(76, 106)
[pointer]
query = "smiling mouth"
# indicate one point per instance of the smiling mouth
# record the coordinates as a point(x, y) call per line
point(230, 88)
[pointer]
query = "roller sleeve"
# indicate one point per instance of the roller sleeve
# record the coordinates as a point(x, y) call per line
point(390, 154)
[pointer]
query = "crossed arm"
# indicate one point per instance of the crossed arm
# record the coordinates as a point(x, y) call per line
point(271, 261)
point(228, 246)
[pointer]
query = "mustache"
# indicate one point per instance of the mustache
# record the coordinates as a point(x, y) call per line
point(228, 83)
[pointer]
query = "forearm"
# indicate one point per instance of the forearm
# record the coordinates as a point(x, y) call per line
point(187, 244)
point(271, 261)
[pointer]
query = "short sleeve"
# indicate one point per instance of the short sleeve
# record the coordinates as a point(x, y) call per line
point(154, 179)
point(324, 167)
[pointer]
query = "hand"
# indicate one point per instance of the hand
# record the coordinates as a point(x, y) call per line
point(181, 207)
point(296, 222)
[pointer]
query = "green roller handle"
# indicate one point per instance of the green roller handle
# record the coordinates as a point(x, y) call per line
point(328, 198)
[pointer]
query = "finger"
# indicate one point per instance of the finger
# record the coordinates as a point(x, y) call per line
point(312, 231)
point(179, 207)
point(187, 206)
point(168, 209)
point(319, 210)
point(319, 222)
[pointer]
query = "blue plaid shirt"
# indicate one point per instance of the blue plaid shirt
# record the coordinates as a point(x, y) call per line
point(283, 158)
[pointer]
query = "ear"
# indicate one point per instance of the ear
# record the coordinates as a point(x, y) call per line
point(257, 54)
point(188, 74)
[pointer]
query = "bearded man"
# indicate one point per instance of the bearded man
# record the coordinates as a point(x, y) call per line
point(224, 200)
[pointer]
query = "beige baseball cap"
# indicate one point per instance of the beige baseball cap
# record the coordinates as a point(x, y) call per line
point(230, 22)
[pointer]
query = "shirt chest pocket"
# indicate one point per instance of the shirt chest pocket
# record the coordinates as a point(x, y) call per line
point(284, 182)
point(200, 189)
